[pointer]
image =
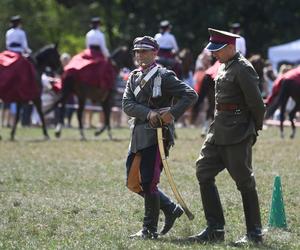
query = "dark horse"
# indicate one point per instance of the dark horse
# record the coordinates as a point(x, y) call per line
point(258, 64)
point(186, 62)
point(46, 56)
point(120, 58)
point(289, 88)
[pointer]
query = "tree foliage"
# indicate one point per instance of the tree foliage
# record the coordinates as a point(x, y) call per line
point(264, 23)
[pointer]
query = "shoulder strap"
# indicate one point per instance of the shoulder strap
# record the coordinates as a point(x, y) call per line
point(145, 80)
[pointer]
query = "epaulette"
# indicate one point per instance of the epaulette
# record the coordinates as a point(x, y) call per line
point(163, 71)
point(132, 73)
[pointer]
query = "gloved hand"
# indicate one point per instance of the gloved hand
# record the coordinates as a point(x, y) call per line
point(167, 117)
point(154, 119)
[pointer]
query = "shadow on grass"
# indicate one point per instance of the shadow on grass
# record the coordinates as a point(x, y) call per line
point(64, 140)
point(187, 242)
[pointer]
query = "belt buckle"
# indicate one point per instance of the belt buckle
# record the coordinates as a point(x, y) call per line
point(237, 111)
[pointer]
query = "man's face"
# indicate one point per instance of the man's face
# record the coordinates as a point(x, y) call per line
point(224, 54)
point(145, 58)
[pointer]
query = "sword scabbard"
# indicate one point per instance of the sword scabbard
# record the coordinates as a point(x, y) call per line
point(169, 175)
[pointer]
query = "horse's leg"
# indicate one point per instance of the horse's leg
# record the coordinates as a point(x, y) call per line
point(67, 89)
point(291, 117)
point(106, 105)
point(282, 101)
point(13, 130)
point(38, 104)
point(104, 126)
point(61, 115)
point(2, 110)
point(195, 111)
point(282, 114)
point(81, 104)
point(107, 111)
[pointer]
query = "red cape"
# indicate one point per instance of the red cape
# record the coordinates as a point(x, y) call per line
point(90, 67)
point(18, 78)
point(199, 75)
point(213, 70)
point(293, 74)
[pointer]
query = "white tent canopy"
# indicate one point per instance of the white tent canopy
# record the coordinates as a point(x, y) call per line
point(289, 52)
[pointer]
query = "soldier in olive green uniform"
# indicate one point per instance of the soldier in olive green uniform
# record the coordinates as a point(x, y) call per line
point(238, 116)
point(148, 98)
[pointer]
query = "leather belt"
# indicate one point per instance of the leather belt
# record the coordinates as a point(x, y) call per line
point(15, 45)
point(95, 47)
point(227, 107)
point(165, 50)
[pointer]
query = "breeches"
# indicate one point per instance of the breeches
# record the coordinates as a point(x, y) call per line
point(237, 159)
point(143, 170)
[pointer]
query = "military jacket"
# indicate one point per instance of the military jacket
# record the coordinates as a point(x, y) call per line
point(138, 107)
point(236, 83)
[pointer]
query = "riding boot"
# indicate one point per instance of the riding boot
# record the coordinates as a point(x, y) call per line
point(152, 205)
point(213, 213)
point(171, 210)
point(252, 218)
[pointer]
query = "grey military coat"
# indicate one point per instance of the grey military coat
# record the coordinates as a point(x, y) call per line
point(138, 107)
point(236, 83)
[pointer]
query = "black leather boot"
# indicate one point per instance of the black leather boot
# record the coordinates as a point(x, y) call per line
point(170, 210)
point(209, 234)
point(252, 218)
point(252, 237)
point(213, 213)
point(212, 205)
point(149, 230)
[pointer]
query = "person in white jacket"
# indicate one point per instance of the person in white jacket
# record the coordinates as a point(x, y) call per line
point(16, 39)
point(95, 38)
point(166, 41)
point(240, 44)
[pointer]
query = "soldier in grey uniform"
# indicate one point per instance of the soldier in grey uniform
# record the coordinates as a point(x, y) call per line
point(238, 116)
point(148, 98)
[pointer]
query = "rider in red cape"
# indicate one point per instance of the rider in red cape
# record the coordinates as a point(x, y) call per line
point(17, 74)
point(168, 48)
point(92, 65)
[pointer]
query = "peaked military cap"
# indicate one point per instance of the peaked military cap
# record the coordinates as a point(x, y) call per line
point(219, 39)
point(15, 18)
point(145, 43)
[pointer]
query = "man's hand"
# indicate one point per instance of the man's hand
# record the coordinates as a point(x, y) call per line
point(167, 117)
point(154, 119)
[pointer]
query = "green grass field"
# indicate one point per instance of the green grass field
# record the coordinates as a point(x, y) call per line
point(71, 194)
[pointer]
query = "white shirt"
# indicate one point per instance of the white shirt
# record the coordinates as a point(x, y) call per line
point(166, 41)
point(16, 35)
point(240, 44)
point(96, 37)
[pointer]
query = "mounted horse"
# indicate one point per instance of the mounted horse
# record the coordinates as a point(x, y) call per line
point(90, 75)
point(286, 86)
point(20, 79)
